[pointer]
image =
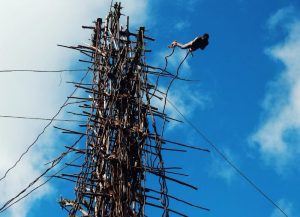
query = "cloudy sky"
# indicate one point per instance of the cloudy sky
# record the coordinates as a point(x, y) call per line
point(246, 99)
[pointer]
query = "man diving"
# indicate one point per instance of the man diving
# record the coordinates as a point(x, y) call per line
point(199, 42)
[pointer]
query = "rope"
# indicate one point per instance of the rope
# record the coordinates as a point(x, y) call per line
point(225, 158)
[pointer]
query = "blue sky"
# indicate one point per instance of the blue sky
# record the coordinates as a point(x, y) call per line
point(246, 100)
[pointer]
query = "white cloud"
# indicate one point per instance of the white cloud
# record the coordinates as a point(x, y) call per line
point(220, 169)
point(280, 16)
point(184, 99)
point(286, 206)
point(182, 25)
point(278, 136)
point(187, 4)
point(30, 31)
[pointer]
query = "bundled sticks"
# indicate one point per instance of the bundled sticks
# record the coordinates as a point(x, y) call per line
point(123, 143)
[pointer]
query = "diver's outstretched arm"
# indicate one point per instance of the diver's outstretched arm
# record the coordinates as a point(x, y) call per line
point(182, 46)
